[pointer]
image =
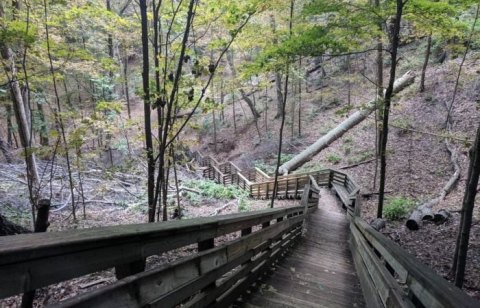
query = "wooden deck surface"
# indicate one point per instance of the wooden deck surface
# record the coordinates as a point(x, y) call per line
point(319, 272)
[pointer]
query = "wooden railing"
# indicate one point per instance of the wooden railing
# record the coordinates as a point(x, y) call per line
point(391, 277)
point(214, 276)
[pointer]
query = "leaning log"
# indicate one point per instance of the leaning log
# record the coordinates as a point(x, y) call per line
point(342, 128)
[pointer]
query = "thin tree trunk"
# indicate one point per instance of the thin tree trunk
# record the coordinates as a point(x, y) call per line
point(147, 114)
point(5, 149)
point(222, 101)
point(282, 124)
point(278, 91)
point(425, 63)
point(234, 113)
point(300, 98)
point(214, 132)
point(245, 97)
point(10, 138)
point(467, 48)
point(125, 81)
point(58, 113)
point(467, 212)
point(22, 122)
point(387, 101)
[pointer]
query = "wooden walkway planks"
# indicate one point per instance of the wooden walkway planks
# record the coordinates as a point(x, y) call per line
point(319, 272)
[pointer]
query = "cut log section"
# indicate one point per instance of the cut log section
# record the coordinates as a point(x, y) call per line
point(441, 217)
point(415, 220)
point(378, 224)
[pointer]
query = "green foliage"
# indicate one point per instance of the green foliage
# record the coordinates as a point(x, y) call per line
point(211, 189)
point(362, 156)
point(397, 208)
point(243, 205)
point(334, 158)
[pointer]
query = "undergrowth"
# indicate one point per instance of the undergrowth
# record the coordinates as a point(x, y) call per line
point(210, 189)
point(397, 208)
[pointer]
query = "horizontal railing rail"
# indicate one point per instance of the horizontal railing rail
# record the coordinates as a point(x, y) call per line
point(31, 261)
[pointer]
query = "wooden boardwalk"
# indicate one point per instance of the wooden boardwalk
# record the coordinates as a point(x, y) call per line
point(319, 272)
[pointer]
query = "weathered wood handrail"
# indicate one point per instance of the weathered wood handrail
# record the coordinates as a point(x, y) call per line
point(31, 261)
point(186, 281)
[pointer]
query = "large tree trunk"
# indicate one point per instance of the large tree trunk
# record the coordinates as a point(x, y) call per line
point(20, 114)
point(342, 128)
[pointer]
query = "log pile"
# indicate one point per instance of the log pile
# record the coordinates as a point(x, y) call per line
point(425, 213)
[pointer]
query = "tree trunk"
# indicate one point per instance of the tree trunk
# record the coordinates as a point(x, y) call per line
point(250, 104)
point(425, 63)
point(5, 149)
point(125, 81)
point(245, 97)
point(463, 238)
point(20, 115)
point(278, 90)
point(147, 114)
point(342, 128)
point(386, 111)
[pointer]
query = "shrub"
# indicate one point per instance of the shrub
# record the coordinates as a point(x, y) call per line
point(334, 158)
point(397, 208)
point(213, 190)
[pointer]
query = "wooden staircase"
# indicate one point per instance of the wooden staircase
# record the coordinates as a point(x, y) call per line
point(218, 273)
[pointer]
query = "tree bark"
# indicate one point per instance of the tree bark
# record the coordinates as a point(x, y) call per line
point(342, 128)
point(20, 114)
point(278, 91)
point(425, 63)
point(245, 97)
point(463, 238)
point(5, 149)
point(386, 111)
point(147, 114)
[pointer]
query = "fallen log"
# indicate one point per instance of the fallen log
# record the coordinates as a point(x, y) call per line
point(441, 217)
point(356, 118)
point(446, 189)
point(427, 214)
point(378, 224)
point(415, 220)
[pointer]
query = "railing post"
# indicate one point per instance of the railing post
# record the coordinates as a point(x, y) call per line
point(330, 178)
point(202, 246)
